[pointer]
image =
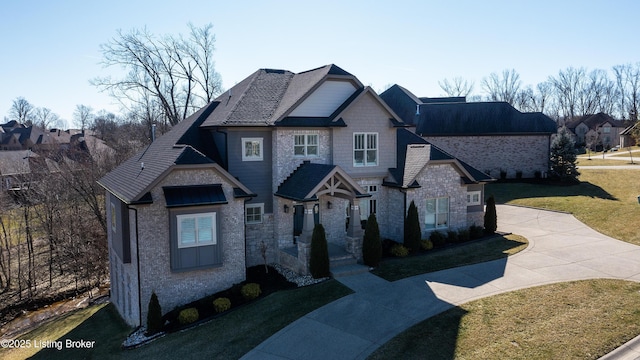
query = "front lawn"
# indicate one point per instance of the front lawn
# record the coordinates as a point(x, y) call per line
point(495, 247)
point(605, 200)
point(226, 337)
point(576, 320)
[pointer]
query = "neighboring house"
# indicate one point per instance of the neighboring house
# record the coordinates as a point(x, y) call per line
point(252, 172)
point(626, 135)
point(20, 168)
point(597, 130)
point(491, 136)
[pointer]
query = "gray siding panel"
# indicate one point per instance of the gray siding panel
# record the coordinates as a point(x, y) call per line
point(120, 230)
point(195, 257)
point(256, 175)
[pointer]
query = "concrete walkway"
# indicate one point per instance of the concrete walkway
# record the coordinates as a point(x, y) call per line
point(561, 249)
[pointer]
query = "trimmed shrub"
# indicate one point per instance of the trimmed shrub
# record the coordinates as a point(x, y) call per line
point(371, 245)
point(399, 250)
point(537, 174)
point(412, 233)
point(250, 291)
point(319, 257)
point(154, 316)
point(452, 237)
point(476, 232)
point(437, 238)
point(490, 216)
point(518, 174)
point(188, 316)
point(221, 304)
point(426, 244)
point(503, 174)
point(464, 235)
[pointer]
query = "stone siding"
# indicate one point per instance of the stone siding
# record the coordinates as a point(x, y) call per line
point(334, 220)
point(440, 181)
point(178, 288)
point(492, 154)
point(284, 160)
point(367, 115)
point(256, 235)
point(395, 207)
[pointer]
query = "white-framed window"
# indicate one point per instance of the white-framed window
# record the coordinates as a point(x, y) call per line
point(606, 129)
point(196, 229)
point(474, 198)
point(365, 149)
point(437, 213)
point(252, 149)
point(253, 213)
point(305, 145)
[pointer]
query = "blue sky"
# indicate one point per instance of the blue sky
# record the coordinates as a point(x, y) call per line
point(51, 49)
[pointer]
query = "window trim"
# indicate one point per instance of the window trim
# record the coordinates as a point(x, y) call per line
point(197, 243)
point(470, 195)
point(305, 145)
point(437, 206)
point(254, 206)
point(365, 149)
point(246, 157)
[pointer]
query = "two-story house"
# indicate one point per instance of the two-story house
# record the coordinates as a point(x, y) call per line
point(251, 173)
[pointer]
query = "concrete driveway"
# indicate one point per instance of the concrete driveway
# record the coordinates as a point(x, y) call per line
point(561, 249)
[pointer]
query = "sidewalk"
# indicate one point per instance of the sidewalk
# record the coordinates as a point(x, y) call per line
point(561, 249)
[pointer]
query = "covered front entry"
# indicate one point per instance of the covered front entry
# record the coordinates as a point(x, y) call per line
point(316, 189)
point(298, 218)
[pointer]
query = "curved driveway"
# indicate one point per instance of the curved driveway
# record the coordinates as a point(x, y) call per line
point(561, 249)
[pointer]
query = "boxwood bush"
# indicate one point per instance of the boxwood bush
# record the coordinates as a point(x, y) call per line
point(221, 304)
point(188, 316)
point(250, 291)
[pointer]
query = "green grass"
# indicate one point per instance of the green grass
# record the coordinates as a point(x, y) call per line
point(496, 247)
point(598, 161)
point(576, 320)
point(605, 200)
point(226, 337)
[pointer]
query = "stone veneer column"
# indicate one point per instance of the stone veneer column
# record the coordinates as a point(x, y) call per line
point(304, 240)
point(354, 231)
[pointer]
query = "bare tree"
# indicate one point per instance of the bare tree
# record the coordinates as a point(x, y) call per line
point(44, 118)
point(83, 116)
point(502, 87)
point(568, 89)
point(177, 73)
point(627, 81)
point(456, 87)
point(21, 111)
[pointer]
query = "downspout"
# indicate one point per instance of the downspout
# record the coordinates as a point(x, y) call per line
point(138, 266)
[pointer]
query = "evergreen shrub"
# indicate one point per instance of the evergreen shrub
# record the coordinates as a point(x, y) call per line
point(319, 257)
point(372, 245)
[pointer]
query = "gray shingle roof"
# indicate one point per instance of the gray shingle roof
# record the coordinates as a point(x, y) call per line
point(300, 185)
point(267, 95)
point(130, 180)
point(593, 121)
point(464, 118)
point(415, 152)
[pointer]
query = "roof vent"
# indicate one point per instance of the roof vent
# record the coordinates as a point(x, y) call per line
point(417, 109)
